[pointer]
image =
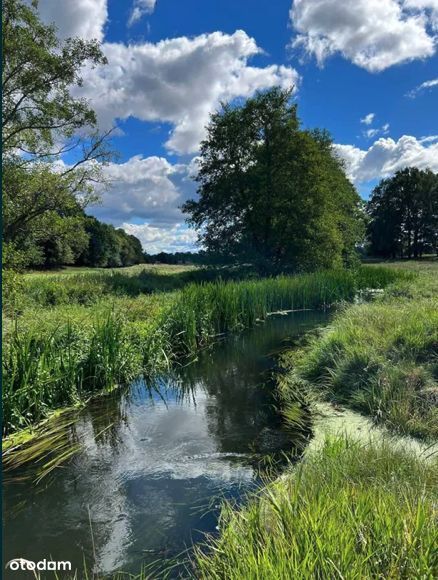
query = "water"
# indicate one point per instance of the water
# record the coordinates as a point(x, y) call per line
point(156, 460)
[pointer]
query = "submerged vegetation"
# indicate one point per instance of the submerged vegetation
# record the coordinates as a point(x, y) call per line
point(58, 355)
point(350, 510)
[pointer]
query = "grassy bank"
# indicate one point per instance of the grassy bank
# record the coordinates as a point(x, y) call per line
point(352, 509)
point(381, 358)
point(56, 354)
point(347, 511)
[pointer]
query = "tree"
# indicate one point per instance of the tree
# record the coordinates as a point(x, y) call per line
point(270, 193)
point(403, 215)
point(110, 247)
point(38, 109)
point(41, 120)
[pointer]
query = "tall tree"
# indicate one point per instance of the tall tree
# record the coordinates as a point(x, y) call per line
point(403, 211)
point(271, 193)
point(41, 120)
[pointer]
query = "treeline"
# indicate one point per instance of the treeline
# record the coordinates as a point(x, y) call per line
point(403, 215)
point(201, 258)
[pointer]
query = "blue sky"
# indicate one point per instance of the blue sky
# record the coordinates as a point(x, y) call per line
point(366, 70)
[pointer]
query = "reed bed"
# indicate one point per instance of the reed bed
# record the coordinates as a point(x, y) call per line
point(203, 311)
point(57, 356)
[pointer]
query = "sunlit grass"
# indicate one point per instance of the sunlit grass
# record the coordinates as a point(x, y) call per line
point(349, 511)
point(55, 356)
point(381, 358)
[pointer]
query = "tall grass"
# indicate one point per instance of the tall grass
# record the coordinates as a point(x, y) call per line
point(203, 311)
point(349, 511)
point(56, 356)
point(44, 370)
point(380, 358)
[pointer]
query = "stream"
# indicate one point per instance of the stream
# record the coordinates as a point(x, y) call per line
point(156, 461)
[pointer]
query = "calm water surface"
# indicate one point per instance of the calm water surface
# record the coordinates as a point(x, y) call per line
point(157, 460)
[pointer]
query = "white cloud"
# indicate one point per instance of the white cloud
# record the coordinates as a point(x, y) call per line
point(180, 81)
point(429, 139)
point(368, 119)
point(371, 133)
point(423, 87)
point(428, 6)
point(148, 188)
point(385, 156)
point(177, 238)
point(84, 18)
point(140, 8)
point(373, 34)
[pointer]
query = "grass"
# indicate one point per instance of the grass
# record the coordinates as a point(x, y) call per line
point(381, 358)
point(351, 509)
point(56, 354)
point(347, 511)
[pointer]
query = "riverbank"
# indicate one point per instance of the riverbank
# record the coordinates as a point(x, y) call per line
point(352, 508)
point(68, 337)
point(380, 358)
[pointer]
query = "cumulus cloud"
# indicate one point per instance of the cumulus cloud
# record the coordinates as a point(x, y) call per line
point(368, 119)
point(428, 6)
point(385, 156)
point(178, 238)
point(140, 8)
point(180, 81)
point(373, 34)
point(147, 188)
point(144, 195)
point(423, 87)
point(84, 18)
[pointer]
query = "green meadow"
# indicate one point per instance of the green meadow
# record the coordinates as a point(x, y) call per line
point(349, 509)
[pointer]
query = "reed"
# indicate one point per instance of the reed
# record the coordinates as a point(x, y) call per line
point(204, 311)
point(46, 370)
point(56, 356)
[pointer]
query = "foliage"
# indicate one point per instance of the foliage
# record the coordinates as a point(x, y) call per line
point(43, 197)
point(273, 194)
point(348, 511)
point(201, 258)
point(54, 356)
point(381, 358)
point(38, 71)
point(110, 247)
point(403, 213)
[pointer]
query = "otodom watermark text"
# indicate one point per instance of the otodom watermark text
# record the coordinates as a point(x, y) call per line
point(40, 566)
